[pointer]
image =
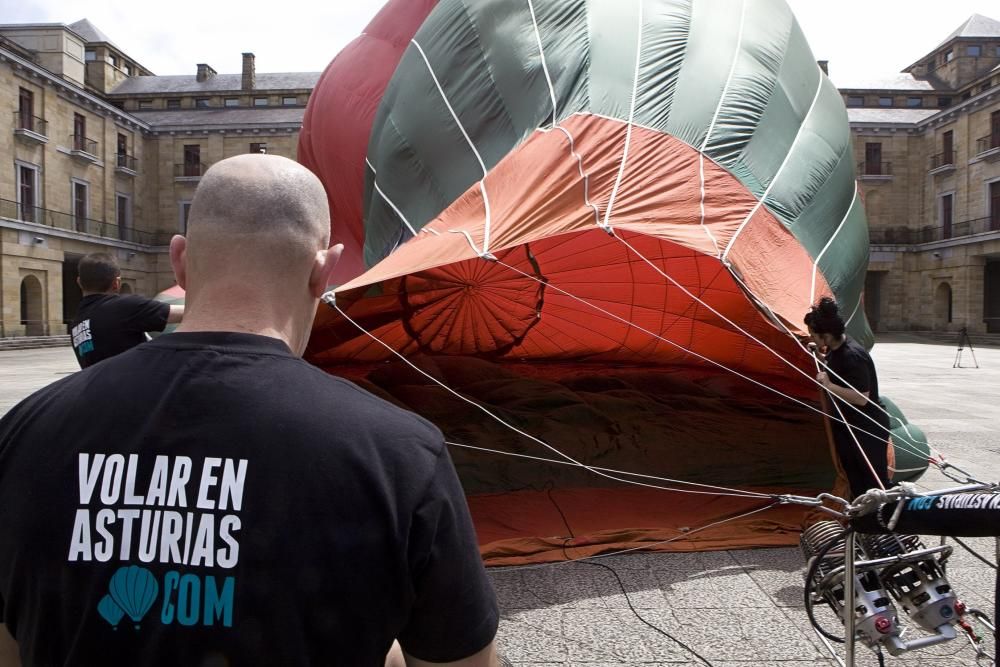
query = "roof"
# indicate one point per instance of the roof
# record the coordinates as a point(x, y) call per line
point(89, 31)
point(222, 118)
point(976, 25)
point(188, 83)
point(890, 116)
point(902, 81)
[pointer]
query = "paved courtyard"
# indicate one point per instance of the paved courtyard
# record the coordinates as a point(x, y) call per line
point(733, 608)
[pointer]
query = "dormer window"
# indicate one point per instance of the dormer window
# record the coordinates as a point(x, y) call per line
point(974, 50)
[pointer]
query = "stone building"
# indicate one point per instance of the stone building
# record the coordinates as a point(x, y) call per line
point(99, 154)
point(927, 149)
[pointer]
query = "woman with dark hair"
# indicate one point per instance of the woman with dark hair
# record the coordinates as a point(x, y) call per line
point(853, 387)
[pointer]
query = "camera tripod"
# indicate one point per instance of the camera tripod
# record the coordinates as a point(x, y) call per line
point(963, 342)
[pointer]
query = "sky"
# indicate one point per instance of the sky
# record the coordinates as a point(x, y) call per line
point(862, 39)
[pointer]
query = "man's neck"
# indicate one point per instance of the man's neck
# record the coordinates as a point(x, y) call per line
point(835, 345)
point(86, 293)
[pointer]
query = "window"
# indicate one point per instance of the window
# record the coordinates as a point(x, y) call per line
point(26, 109)
point(873, 158)
point(948, 147)
point(123, 215)
point(90, 55)
point(128, 69)
point(944, 102)
point(948, 57)
point(114, 60)
point(80, 205)
point(79, 132)
point(995, 206)
point(201, 103)
point(192, 160)
point(289, 101)
point(122, 146)
point(855, 101)
point(232, 101)
point(174, 103)
point(885, 101)
point(260, 101)
point(946, 215)
point(995, 129)
point(914, 102)
point(184, 210)
point(145, 104)
point(974, 50)
point(27, 192)
point(258, 148)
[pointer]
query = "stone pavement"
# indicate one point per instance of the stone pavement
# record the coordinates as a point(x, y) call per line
point(734, 608)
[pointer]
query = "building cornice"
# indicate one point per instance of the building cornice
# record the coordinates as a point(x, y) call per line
point(70, 91)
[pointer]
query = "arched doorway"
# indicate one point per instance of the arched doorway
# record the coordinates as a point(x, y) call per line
point(125, 289)
point(942, 307)
point(32, 306)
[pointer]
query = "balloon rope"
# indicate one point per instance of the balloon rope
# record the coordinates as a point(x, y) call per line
point(764, 345)
point(730, 492)
point(913, 443)
point(330, 299)
point(644, 547)
point(552, 286)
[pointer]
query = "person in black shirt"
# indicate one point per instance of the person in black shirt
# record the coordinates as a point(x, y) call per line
point(209, 498)
point(106, 323)
point(862, 443)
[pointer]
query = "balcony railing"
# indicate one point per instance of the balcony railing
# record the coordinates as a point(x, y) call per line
point(874, 168)
point(125, 161)
point(930, 233)
point(987, 143)
point(83, 144)
point(25, 121)
point(945, 159)
point(67, 221)
point(189, 169)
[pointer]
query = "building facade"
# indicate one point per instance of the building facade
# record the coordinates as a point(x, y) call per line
point(927, 149)
point(99, 154)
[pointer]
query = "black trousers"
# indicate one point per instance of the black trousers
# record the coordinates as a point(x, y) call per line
point(873, 439)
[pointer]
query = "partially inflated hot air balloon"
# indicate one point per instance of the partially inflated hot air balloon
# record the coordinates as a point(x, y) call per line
point(586, 232)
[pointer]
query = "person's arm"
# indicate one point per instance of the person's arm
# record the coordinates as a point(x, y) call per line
point(454, 615)
point(486, 658)
point(176, 314)
point(9, 656)
point(849, 394)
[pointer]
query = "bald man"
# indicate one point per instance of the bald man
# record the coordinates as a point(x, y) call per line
point(223, 502)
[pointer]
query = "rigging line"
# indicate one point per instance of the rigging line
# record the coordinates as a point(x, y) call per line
point(670, 342)
point(643, 547)
point(743, 331)
point(545, 67)
point(479, 158)
point(711, 126)
point(387, 200)
point(330, 299)
point(737, 493)
point(784, 163)
point(631, 117)
point(584, 176)
point(815, 271)
point(911, 445)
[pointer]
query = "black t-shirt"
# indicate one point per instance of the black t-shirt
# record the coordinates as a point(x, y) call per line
point(209, 498)
point(109, 324)
point(855, 368)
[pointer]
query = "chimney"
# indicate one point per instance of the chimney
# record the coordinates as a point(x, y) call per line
point(205, 72)
point(249, 72)
point(824, 65)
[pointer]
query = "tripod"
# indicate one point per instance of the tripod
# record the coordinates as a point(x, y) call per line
point(963, 341)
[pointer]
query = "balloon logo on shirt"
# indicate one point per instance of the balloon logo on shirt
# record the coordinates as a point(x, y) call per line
point(132, 591)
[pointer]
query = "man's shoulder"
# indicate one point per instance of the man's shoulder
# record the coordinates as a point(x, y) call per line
point(365, 410)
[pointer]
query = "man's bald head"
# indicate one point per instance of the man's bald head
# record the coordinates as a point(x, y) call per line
point(262, 212)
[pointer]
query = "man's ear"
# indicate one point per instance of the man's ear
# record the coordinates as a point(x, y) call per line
point(178, 259)
point(326, 262)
